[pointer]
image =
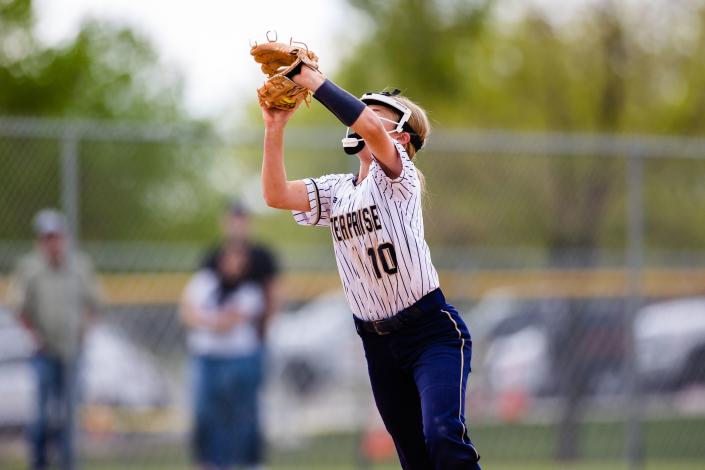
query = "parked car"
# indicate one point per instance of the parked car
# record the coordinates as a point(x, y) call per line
point(115, 372)
point(525, 344)
point(670, 343)
point(529, 345)
point(316, 346)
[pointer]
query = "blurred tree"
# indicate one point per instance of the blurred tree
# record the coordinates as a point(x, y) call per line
point(105, 72)
point(420, 46)
point(471, 66)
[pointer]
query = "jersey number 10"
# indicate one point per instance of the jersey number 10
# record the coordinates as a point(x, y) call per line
point(384, 255)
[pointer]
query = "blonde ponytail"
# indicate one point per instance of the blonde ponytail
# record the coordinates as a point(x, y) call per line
point(419, 123)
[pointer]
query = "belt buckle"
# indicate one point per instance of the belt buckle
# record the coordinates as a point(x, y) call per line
point(375, 327)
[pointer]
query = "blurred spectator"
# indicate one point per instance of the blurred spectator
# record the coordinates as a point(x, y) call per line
point(55, 293)
point(262, 269)
point(222, 308)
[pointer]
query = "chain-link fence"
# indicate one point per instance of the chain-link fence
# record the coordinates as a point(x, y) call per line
point(578, 262)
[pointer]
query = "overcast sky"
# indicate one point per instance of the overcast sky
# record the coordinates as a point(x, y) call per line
point(209, 39)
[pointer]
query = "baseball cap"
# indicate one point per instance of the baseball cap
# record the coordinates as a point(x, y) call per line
point(236, 206)
point(48, 221)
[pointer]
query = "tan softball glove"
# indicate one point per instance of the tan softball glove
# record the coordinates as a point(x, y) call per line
point(280, 62)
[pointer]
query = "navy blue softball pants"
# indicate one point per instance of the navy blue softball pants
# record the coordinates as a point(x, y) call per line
point(419, 375)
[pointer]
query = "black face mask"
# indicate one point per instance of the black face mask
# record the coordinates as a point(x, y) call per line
point(357, 148)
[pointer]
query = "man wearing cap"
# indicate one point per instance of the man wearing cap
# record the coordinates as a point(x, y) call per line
point(55, 293)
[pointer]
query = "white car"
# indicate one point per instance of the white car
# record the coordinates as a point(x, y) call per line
point(518, 361)
point(670, 343)
point(316, 346)
point(317, 379)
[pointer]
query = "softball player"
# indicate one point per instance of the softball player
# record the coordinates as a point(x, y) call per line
point(417, 347)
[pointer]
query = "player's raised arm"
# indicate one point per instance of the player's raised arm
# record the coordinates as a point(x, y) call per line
point(355, 114)
point(278, 191)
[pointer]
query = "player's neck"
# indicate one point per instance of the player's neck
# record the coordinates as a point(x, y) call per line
point(362, 174)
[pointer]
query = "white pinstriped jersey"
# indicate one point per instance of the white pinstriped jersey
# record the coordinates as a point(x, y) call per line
point(378, 237)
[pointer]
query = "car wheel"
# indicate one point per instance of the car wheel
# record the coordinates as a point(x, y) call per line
point(300, 376)
point(694, 369)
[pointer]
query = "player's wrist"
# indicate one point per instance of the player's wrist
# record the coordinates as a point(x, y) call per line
point(310, 78)
point(342, 104)
point(275, 127)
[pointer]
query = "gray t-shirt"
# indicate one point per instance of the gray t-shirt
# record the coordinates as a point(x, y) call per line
point(55, 299)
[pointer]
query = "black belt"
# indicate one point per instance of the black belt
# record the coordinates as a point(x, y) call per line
point(434, 300)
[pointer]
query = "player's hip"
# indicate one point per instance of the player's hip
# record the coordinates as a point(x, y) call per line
point(439, 338)
point(430, 316)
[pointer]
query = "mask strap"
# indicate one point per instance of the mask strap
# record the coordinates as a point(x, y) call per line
point(352, 141)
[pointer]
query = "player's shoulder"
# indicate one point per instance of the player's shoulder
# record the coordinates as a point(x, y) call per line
point(332, 179)
point(403, 156)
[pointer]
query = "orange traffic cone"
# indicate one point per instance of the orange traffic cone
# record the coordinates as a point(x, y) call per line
point(377, 445)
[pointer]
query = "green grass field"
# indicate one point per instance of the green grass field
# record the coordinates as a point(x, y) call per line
point(665, 465)
point(673, 444)
point(487, 465)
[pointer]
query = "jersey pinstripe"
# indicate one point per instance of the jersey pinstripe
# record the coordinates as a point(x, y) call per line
point(378, 237)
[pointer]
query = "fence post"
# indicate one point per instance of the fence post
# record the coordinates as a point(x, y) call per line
point(635, 265)
point(70, 180)
point(70, 206)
